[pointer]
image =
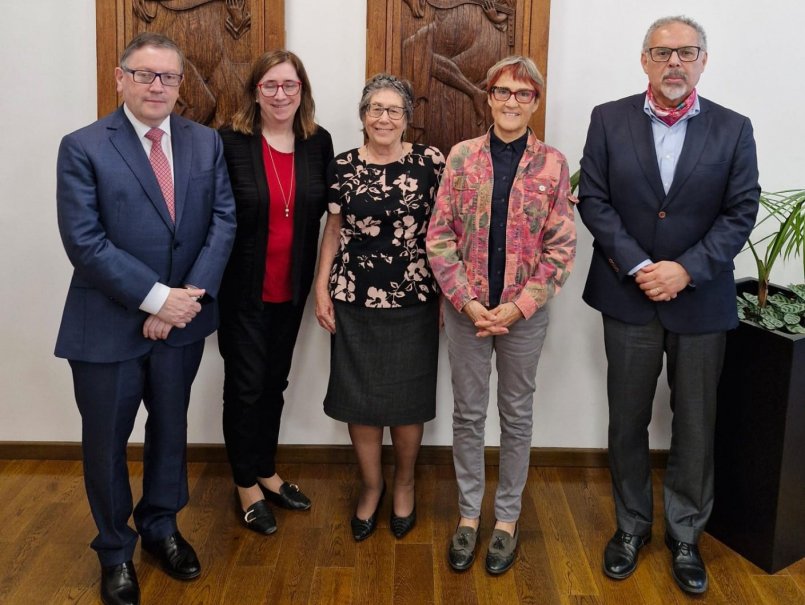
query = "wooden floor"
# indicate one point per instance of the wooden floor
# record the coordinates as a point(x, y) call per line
point(567, 518)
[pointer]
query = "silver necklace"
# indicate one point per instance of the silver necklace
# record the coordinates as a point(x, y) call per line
point(286, 200)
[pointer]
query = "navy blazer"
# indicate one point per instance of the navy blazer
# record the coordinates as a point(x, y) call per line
point(702, 223)
point(120, 239)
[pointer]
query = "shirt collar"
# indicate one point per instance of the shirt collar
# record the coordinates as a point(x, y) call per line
point(497, 145)
point(141, 129)
point(694, 111)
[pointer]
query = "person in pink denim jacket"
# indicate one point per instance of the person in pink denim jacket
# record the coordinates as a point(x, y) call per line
point(501, 243)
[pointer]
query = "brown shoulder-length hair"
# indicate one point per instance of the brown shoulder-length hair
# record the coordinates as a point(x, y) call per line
point(247, 118)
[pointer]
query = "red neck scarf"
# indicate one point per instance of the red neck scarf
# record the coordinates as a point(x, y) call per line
point(670, 116)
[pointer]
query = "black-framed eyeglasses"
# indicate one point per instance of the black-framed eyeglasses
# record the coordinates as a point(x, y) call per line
point(662, 54)
point(143, 76)
point(501, 93)
point(269, 88)
point(376, 110)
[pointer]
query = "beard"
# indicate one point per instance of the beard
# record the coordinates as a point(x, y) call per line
point(673, 91)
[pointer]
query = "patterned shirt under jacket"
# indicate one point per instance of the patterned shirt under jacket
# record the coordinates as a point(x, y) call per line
point(540, 232)
point(381, 261)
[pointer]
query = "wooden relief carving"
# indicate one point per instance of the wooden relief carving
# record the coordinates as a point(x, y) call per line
point(444, 47)
point(220, 38)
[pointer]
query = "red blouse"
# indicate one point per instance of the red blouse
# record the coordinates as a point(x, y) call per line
point(282, 192)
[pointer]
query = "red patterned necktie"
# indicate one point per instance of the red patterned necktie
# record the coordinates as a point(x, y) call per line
point(162, 169)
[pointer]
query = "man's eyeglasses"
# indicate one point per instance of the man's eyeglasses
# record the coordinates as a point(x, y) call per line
point(662, 54)
point(289, 87)
point(501, 93)
point(143, 76)
point(395, 113)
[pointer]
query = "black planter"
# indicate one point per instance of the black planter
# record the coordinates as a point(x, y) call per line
point(759, 508)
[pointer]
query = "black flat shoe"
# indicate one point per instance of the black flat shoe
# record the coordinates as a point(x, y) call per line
point(502, 550)
point(687, 565)
point(363, 529)
point(290, 496)
point(258, 517)
point(176, 557)
point(461, 553)
point(119, 585)
point(620, 554)
point(402, 525)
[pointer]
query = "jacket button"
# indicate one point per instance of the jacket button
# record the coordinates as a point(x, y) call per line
point(661, 214)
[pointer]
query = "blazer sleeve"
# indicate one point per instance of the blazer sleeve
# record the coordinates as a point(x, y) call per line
point(96, 259)
point(714, 253)
point(595, 205)
point(208, 268)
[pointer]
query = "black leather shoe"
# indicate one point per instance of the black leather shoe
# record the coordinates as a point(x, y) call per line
point(119, 585)
point(687, 565)
point(502, 551)
point(363, 529)
point(461, 553)
point(620, 555)
point(402, 525)
point(290, 497)
point(258, 517)
point(176, 557)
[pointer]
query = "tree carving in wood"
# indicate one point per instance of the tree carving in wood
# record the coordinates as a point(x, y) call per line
point(219, 38)
point(445, 48)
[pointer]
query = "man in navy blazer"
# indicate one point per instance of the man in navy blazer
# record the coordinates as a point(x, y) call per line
point(669, 190)
point(148, 254)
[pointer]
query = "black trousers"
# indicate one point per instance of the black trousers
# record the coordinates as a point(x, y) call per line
point(635, 356)
point(257, 347)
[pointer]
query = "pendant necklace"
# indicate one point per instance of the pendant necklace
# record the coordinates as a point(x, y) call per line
point(286, 200)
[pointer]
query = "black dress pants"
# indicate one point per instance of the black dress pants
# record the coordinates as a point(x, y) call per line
point(257, 347)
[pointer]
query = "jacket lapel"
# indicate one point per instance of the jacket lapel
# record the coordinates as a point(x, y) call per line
point(182, 160)
point(643, 142)
point(124, 139)
point(695, 137)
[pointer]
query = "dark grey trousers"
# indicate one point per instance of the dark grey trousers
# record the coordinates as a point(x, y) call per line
point(635, 357)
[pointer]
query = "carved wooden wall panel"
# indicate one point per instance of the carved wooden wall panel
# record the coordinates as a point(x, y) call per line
point(444, 47)
point(220, 38)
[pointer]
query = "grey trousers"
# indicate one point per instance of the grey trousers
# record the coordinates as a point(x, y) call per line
point(516, 358)
point(635, 356)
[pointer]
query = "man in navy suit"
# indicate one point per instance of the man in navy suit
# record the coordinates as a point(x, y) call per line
point(669, 190)
point(147, 218)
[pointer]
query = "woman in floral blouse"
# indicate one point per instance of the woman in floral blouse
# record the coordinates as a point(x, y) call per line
point(376, 295)
point(501, 243)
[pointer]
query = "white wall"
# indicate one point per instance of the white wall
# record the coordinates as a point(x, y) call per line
point(48, 72)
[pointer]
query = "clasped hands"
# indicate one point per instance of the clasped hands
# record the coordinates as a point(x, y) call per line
point(178, 310)
point(662, 281)
point(492, 322)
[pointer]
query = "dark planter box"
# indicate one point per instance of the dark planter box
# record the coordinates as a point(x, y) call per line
point(759, 508)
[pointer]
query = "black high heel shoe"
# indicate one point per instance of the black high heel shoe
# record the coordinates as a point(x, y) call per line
point(363, 529)
point(402, 525)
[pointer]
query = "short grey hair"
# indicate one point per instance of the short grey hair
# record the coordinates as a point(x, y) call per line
point(676, 19)
point(155, 40)
point(384, 81)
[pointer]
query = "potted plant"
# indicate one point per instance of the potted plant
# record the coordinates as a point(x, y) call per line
point(760, 425)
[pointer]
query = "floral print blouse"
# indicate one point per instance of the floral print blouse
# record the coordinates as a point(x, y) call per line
point(381, 261)
point(540, 232)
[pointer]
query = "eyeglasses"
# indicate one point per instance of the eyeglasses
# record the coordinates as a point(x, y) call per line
point(289, 87)
point(143, 76)
point(501, 93)
point(395, 113)
point(662, 54)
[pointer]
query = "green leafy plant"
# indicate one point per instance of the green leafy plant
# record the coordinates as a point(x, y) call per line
point(780, 311)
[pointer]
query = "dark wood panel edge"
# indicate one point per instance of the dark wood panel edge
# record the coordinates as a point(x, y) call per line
point(322, 454)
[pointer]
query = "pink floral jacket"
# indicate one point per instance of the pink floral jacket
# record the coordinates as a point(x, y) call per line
point(540, 234)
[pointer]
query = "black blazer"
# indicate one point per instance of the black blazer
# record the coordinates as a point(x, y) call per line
point(242, 285)
point(702, 223)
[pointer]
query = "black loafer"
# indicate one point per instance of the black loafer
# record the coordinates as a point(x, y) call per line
point(620, 554)
point(363, 529)
point(258, 517)
point(687, 565)
point(119, 585)
point(290, 497)
point(461, 553)
point(176, 557)
point(502, 551)
point(402, 525)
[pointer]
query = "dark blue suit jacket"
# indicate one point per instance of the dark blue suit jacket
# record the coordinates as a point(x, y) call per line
point(120, 239)
point(702, 223)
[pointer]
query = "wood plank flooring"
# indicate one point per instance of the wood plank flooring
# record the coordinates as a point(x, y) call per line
point(45, 528)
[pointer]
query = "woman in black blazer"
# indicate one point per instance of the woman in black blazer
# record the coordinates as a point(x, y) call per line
point(277, 157)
